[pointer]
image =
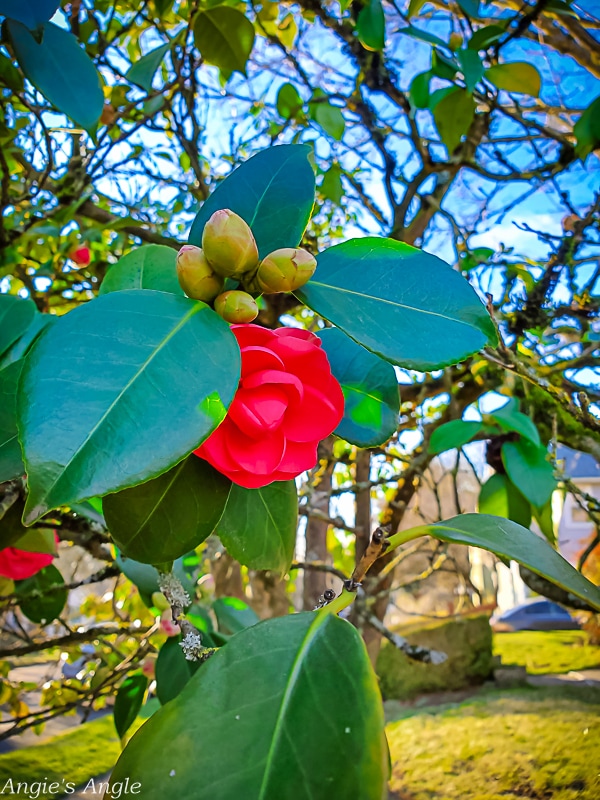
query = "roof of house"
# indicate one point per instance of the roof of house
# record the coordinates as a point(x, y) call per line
point(577, 464)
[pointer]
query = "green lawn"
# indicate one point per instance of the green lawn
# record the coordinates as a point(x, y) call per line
point(503, 745)
point(547, 651)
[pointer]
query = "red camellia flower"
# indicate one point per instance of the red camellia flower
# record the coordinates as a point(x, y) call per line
point(287, 401)
point(20, 564)
point(81, 256)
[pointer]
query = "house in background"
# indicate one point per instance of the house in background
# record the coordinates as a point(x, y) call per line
point(575, 529)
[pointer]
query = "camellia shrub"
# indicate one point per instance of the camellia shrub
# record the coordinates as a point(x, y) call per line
point(183, 423)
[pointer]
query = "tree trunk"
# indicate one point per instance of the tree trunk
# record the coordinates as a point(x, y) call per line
point(315, 582)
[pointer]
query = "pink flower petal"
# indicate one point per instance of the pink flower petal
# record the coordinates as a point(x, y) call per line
point(20, 564)
point(316, 416)
point(258, 411)
point(260, 457)
point(298, 457)
point(252, 335)
point(256, 358)
point(284, 380)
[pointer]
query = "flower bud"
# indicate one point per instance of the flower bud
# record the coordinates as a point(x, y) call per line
point(160, 601)
point(455, 41)
point(196, 276)
point(229, 245)
point(236, 306)
point(149, 667)
point(167, 625)
point(81, 256)
point(285, 270)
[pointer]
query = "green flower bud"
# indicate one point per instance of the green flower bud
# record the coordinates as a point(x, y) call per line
point(285, 270)
point(236, 306)
point(229, 245)
point(196, 276)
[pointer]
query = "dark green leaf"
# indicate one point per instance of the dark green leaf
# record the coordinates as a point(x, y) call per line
point(331, 186)
point(49, 604)
point(470, 7)
point(162, 519)
point(224, 37)
point(287, 709)
point(118, 391)
point(370, 386)
point(273, 192)
point(405, 305)
point(544, 518)
point(501, 498)
point(414, 7)
point(258, 527)
point(35, 540)
point(145, 577)
point(453, 434)
point(509, 418)
point(10, 75)
point(11, 460)
point(21, 347)
point(453, 116)
point(419, 90)
point(128, 702)
point(528, 468)
point(473, 258)
point(370, 25)
point(509, 540)
point(484, 37)
point(518, 76)
point(442, 67)
point(233, 615)
point(330, 118)
point(423, 36)
point(173, 670)
point(471, 66)
point(587, 130)
point(32, 13)
point(142, 72)
point(61, 70)
point(152, 266)
point(289, 102)
point(16, 315)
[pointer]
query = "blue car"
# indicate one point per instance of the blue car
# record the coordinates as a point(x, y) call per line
point(536, 615)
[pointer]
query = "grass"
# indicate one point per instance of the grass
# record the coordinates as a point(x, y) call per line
point(504, 745)
point(547, 651)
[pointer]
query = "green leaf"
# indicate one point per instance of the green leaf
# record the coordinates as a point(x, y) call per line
point(31, 13)
point(108, 398)
point(61, 70)
point(528, 468)
point(518, 76)
point(486, 36)
point(11, 460)
point(224, 37)
point(414, 7)
point(142, 72)
point(273, 192)
point(473, 258)
point(509, 418)
point(288, 708)
point(330, 118)
point(453, 434)
point(423, 36)
point(145, 577)
point(501, 498)
point(370, 25)
point(471, 66)
point(233, 615)
point(470, 7)
point(258, 527)
point(442, 67)
point(509, 540)
point(332, 187)
point(152, 266)
point(16, 315)
point(23, 344)
point(52, 599)
point(173, 670)
point(453, 116)
point(165, 518)
point(289, 102)
point(403, 304)
point(35, 540)
point(419, 90)
point(544, 518)
point(370, 387)
point(128, 702)
point(587, 130)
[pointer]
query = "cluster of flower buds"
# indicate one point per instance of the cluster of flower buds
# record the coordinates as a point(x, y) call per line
point(229, 251)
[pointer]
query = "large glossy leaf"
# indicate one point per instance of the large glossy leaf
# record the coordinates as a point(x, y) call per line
point(61, 70)
point(507, 539)
point(225, 38)
point(370, 386)
point(23, 344)
point(16, 315)
point(152, 266)
point(258, 527)
point(49, 595)
point(14, 534)
point(528, 468)
point(509, 418)
point(162, 519)
point(173, 670)
point(453, 434)
point(32, 13)
point(405, 305)
point(119, 391)
point(233, 615)
point(501, 498)
point(11, 461)
point(370, 25)
point(142, 72)
point(273, 192)
point(128, 702)
point(289, 708)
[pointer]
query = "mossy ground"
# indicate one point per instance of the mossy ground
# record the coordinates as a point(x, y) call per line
point(529, 743)
point(547, 651)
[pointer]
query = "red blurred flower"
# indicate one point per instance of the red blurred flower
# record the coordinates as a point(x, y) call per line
point(20, 564)
point(287, 401)
point(81, 256)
